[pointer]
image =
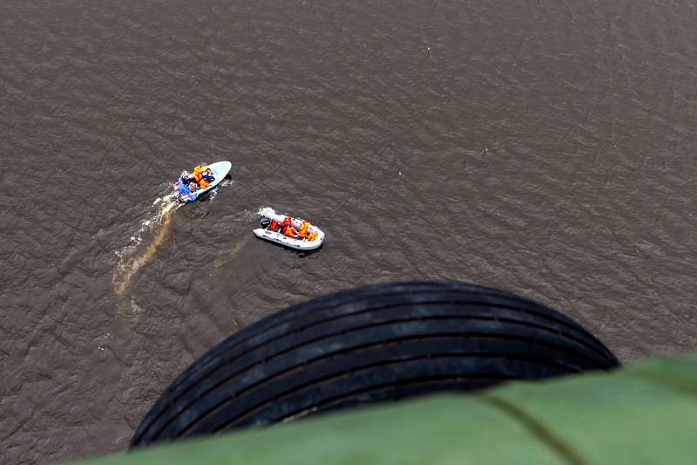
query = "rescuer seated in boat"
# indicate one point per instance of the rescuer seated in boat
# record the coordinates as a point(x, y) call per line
point(303, 230)
point(186, 178)
point(287, 227)
point(198, 177)
point(207, 175)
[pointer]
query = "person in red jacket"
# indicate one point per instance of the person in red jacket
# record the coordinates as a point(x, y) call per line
point(287, 227)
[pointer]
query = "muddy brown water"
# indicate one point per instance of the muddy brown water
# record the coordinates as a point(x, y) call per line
point(543, 147)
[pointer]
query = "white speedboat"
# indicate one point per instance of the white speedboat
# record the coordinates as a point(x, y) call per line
point(215, 173)
point(295, 233)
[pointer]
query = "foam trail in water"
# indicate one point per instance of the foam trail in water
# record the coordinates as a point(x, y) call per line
point(214, 193)
point(133, 257)
point(264, 210)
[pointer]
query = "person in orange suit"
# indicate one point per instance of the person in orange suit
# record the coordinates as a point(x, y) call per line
point(287, 227)
point(303, 229)
point(198, 177)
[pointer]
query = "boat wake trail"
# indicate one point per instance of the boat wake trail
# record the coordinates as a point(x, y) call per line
point(133, 257)
point(230, 255)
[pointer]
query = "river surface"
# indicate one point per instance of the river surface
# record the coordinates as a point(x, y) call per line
point(544, 147)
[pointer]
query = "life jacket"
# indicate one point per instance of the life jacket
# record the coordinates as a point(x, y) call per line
point(290, 231)
point(303, 229)
point(273, 225)
point(198, 177)
point(312, 236)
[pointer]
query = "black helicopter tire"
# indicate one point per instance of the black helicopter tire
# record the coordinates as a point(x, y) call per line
point(376, 344)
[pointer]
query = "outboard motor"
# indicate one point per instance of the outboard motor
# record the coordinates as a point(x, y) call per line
point(265, 222)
